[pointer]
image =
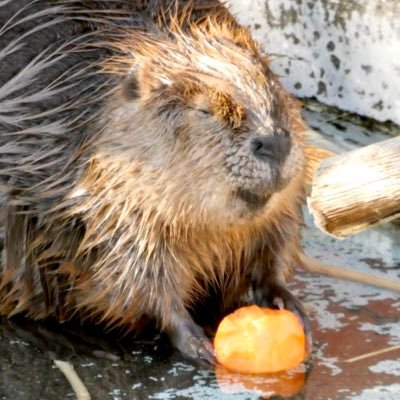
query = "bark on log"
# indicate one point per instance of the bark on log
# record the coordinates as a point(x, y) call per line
point(357, 190)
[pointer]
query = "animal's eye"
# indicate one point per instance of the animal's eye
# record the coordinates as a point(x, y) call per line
point(203, 112)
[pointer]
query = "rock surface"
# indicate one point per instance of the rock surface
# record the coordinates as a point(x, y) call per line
point(343, 52)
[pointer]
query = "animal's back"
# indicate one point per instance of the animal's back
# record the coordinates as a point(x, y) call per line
point(50, 88)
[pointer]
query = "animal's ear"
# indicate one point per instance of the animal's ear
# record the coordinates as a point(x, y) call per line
point(142, 81)
point(130, 88)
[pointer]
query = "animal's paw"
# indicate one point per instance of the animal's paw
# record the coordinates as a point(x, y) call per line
point(192, 342)
point(279, 297)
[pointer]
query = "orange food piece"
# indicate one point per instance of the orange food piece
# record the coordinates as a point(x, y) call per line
point(260, 340)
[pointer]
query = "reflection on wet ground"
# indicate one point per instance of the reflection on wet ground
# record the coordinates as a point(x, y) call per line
point(350, 322)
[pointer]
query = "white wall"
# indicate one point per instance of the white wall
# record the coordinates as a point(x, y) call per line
point(343, 52)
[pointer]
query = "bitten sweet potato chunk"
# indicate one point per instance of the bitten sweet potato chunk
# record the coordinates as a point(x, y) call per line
point(259, 340)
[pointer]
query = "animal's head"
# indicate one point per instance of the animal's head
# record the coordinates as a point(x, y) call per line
point(206, 124)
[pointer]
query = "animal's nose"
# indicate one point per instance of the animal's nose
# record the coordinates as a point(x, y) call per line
point(272, 147)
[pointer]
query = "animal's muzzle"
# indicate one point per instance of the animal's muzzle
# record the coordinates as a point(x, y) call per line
point(272, 147)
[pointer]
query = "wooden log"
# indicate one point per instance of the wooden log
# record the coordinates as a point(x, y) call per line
point(357, 190)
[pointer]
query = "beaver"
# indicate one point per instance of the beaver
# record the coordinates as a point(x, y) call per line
point(151, 166)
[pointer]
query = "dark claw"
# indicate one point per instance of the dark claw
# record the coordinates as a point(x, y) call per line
point(279, 297)
point(191, 341)
point(199, 348)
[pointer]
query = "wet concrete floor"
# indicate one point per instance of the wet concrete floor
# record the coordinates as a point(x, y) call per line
point(349, 321)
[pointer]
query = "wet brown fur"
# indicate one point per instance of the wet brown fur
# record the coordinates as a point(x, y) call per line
point(110, 233)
